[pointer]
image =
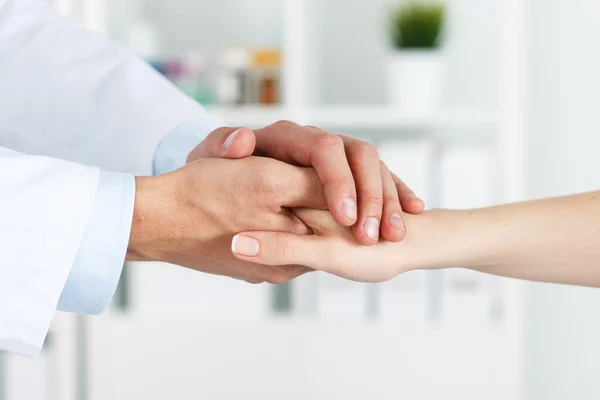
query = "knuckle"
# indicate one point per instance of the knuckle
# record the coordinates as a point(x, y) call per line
point(375, 200)
point(329, 140)
point(285, 124)
point(268, 179)
point(313, 128)
point(343, 182)
point(365, 149)
point(390, 198)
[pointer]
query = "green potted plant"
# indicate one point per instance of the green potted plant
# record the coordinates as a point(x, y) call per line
point(416, 63)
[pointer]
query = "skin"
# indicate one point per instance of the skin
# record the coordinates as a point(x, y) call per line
point(350, 170)
point(552, 240)
point(190, 216)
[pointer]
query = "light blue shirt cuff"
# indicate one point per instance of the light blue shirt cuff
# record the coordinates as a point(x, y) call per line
point(99, 262)
point(174, 149)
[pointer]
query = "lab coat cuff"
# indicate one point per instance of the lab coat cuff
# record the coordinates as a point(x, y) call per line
point(173, 150)
point(99, 262)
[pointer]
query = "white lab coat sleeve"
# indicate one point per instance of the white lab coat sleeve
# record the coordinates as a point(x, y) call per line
point(99, 262)
point(68, 92)
point(45, 204)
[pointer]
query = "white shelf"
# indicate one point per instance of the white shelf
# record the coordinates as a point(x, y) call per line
point(358, 117)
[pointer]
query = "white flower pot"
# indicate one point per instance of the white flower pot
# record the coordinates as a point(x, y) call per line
point(415, 81)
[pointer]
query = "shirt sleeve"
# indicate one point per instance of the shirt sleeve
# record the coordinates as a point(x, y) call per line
point(99, 262)
point(173, 150)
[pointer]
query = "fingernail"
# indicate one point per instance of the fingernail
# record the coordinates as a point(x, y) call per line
point(245, 246)
point(230, 140)
point(349, 208)
point(396, 221)
point(372, 228)
point(411, 196)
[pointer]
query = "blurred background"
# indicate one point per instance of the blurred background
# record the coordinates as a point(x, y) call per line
point(473, 102)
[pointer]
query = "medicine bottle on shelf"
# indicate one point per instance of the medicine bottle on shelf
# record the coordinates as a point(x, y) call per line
point(193, 77)
point(234, 85)
point(267, 69)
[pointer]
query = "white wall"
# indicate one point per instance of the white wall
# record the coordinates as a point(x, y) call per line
point(210, 25)
point(353, 44)
point(563, 324)
point(351, 47)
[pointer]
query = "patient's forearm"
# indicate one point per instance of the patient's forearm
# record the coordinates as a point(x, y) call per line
point(554, 240)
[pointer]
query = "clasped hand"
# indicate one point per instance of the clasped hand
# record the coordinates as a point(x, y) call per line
point(239, 180)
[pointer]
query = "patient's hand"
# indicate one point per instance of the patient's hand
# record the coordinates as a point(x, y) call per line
point(332, 249)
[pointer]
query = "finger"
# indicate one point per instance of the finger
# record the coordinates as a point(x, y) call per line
point(408, 199)
point(392, 225)
point(320, 221)
point(286, 141)
point(225, 143)
point(303, 188)
point(288, 222)
point(277, 248)
point(310, 146)
point(331, 164)
point(364, 161)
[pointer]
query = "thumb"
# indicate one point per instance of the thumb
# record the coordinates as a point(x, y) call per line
point(225, 143)
point(280, 248)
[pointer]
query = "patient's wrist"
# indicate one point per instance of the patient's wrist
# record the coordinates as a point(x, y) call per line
point(452, 238)
point(434, 239)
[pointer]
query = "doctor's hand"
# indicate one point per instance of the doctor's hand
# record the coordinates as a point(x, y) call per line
point(360, 190)
point(333, 249)
point(189, 217)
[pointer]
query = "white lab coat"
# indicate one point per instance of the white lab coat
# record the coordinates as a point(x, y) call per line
point(65, 92)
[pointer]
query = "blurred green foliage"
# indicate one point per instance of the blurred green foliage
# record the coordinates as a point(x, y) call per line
point(417, 24)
